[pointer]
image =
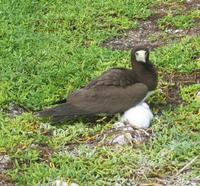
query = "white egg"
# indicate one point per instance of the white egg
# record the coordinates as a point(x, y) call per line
point(139, 116)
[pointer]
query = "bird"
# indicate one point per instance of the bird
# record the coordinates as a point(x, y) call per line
point(138, 117)
point(115, 91)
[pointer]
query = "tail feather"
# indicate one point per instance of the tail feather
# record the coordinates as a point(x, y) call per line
point(63, 112)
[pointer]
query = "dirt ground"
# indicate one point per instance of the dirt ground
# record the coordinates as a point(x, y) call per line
point(149, 34)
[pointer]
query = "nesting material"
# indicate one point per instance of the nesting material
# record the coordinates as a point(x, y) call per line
point(138, 117)
point(124, 137)
point(127, 135)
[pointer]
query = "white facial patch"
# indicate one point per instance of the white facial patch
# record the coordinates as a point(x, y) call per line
point(141, 55)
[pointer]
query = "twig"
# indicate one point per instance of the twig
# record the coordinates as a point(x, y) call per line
point(186, 166)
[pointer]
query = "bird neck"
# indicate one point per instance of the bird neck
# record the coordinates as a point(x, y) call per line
point(146, 74)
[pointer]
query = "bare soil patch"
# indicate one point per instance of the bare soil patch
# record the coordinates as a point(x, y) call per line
point(164, 8)
point(46, 153)
point(5, 163)
point(182, 78)
point(5, 180)
point(174, 81)
point(15, 110)
point(150, 35)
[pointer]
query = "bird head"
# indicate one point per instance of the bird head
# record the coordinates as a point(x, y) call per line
point(140, 54)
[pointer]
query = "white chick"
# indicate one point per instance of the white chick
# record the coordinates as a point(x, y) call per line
point(139, 116)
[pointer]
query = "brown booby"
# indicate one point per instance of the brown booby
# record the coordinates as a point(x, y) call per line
point(115, 91)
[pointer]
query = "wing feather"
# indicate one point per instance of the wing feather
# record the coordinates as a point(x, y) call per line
point(115, 77)
point(108, 99)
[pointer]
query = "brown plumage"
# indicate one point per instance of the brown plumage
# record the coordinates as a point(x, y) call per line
point(115, 91)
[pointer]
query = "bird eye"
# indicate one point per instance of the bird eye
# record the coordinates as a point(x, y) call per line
point(136, 53)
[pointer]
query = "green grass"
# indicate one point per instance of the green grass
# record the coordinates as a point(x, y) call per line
point(48, 50)
point(180, 56)
point(43, 53)
point(180, 21)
